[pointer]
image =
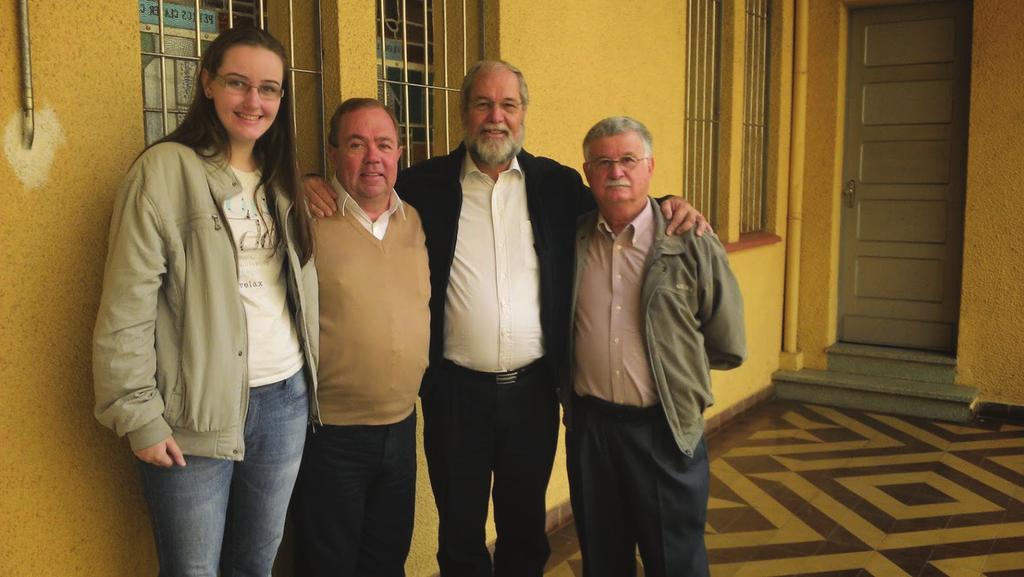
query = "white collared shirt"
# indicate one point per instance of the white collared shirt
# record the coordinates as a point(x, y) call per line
point(378, 227)
point(492, 308)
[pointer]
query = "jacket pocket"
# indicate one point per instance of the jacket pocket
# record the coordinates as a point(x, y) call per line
point(173, 397)
point(678, 300)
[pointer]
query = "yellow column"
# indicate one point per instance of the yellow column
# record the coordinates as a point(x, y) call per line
point(792, 358)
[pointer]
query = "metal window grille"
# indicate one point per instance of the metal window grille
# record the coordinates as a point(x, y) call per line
point(424, 48)
point(753, 192)
point(174, 34)
point(703, 89)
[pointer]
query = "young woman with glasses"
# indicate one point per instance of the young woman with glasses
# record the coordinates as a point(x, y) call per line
point(206, 340)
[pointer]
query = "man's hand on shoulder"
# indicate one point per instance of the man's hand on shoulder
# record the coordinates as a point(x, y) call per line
point(320, 196)
point(681, 217)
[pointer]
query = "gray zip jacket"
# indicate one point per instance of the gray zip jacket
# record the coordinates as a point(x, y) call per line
point(170, 346)
point(692, 322)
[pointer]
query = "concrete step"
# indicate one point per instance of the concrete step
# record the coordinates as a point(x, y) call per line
point(941, 401)
point(925, 366)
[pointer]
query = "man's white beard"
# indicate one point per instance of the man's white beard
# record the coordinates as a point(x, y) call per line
point(491, 152)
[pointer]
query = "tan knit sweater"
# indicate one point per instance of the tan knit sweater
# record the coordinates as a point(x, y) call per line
point(374, 318)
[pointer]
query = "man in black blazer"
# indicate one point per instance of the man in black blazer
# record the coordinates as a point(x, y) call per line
point(500, 226)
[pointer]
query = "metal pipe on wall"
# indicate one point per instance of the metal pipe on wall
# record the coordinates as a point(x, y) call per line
point(28, 122)
point(790, 324)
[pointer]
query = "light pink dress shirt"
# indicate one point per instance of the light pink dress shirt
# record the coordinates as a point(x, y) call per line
point(611, 355)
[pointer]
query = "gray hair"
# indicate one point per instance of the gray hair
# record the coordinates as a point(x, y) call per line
point(485, 66)
point(617, 125)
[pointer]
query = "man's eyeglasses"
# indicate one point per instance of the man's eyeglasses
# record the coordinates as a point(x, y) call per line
point(241, 86)
point(627, 162)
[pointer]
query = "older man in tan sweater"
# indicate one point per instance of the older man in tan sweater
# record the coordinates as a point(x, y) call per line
point(355, 495)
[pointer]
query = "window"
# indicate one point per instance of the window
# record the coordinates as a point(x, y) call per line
point(755, 119)
point(703, 81)
point(424, 48)
point(174, 34)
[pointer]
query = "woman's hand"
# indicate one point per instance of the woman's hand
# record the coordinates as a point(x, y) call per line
point(163, 454)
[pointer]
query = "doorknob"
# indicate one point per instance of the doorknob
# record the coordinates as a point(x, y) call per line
point(849, 191)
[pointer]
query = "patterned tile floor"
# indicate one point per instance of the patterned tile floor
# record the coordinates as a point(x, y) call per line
point(802, 489)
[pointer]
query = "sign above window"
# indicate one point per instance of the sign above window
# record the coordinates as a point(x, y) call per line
point(177, 18)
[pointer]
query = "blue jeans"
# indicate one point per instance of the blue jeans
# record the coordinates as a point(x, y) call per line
point(216, 512)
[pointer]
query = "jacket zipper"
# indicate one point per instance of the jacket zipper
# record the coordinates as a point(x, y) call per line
point(294, 270)
point(650, 345)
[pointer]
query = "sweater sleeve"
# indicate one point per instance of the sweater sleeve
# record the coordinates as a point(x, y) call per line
point(124, 356)
point(721, 308)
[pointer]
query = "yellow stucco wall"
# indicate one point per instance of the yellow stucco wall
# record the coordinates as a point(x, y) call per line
point(349, 30)
point(578, 75)
point(992, 306)
point(780, 109)
point(69, 499)
point(69, 485)
point(826, 81)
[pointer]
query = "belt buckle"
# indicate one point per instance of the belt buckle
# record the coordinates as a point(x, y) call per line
point(506, 378)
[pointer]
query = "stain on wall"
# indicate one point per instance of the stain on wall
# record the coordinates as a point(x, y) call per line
point(69, 496)
point(32, 165)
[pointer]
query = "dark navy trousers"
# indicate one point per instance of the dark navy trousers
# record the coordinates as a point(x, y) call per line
point(476, 429)
point(354, 500)
point(631, 486)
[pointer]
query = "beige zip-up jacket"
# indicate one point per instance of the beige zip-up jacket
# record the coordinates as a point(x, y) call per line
point(170, 345)
point(692, 321)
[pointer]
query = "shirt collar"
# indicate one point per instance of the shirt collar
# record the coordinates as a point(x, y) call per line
point(636, 233)
point(345, 200)
point(469, 168)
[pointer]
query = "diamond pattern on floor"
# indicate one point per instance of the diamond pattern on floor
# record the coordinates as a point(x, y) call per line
point(800, 489)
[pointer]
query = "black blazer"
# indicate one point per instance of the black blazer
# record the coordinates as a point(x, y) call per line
point(555, 197)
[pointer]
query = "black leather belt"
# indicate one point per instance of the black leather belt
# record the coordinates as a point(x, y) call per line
point(502, 378)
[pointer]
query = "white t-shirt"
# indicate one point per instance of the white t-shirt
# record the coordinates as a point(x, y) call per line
point(274, 352)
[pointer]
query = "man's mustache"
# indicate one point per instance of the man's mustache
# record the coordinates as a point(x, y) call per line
point(502, 127)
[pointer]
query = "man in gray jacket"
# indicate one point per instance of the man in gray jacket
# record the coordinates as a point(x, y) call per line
point(652, 314)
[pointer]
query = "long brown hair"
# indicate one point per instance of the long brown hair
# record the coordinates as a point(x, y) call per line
point(274, 152)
